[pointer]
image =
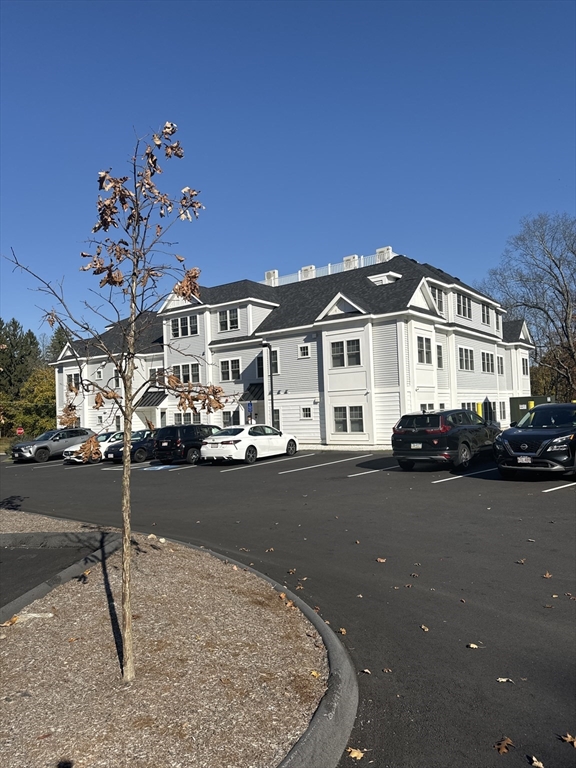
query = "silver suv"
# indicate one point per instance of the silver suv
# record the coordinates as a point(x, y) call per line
point(51, 443)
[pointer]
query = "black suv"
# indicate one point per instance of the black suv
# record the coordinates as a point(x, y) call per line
point(181, 442)
point(544, 440)
point(442, 437)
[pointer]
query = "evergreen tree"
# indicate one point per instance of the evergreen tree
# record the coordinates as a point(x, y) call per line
point(19, 356)
point(56, 345)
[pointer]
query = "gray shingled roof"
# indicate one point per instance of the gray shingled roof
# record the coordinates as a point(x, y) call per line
point(511, 330)
point(149, 338)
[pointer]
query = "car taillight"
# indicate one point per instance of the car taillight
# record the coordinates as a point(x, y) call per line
point(178, 442)
point(203, 442)
point(229, 442)
point(438, 430)
point(398, 431)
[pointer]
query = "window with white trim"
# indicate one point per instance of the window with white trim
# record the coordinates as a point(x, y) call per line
point(275, 362)
point(525, 369)
point(442, 407)
point(348, 418)
point(485, 314)
point(118, 422)
point(260, 366)
point(346, 354)
point(100, 420)
point(72, 382)
point(116, 377)
point(500, 365)
point(502, 411)
point(438, 296)
point(465, 359)
point(184, 326)
point(98, 374)
point(231, 418)
point(189, 372)
point(468, 407)
point(303, 351)
point(463, 306)
point(228, 320)
point(306, 413)
point(439, 356)
point(230, 370)
point(497, 317)
point(487, 362)
point(424, 350)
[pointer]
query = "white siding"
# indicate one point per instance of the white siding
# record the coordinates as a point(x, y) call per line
point(259, 314)
point(306, 430)
point(387, 413)
point(385, 355)
point(296, 374)
point(442, 373)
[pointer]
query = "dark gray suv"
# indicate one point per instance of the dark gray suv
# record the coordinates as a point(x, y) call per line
point(544, 440)
point(181, 442)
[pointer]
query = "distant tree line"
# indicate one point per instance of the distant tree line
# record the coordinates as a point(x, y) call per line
point(27, 391)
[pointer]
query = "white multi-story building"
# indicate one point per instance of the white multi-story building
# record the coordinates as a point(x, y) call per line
point(334, 355)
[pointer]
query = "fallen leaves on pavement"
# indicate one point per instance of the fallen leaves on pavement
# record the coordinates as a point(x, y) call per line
point(380, 559)
point(547, 575)
point(503, 745)
point(424, 628)
point(505, 680)
point(536, 763)
point(9, 623)
point(569, 739)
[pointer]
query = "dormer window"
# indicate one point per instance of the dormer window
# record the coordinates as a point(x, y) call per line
point(385, 278)
point(228, 320)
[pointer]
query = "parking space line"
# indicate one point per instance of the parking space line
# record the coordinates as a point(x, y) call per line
point(559, 488)
point(459, 477)
point(371, 471)
point(327, 464)
point(186, 466)
point(251, 466)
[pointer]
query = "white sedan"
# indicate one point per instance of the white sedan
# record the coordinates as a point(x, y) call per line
point(248, 443)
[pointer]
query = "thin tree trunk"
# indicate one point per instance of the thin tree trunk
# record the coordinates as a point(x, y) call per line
point(128, 672)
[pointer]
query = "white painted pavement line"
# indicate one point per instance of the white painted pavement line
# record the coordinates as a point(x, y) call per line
point(559, 488)
point(371, 471)
point(186, 466)
point(327, 464)
point(251, 466)
point(459, 477)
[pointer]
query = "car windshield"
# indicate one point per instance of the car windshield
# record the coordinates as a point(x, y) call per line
point(548, 418)
point(420, 421)
point(47, 435)
point(140, 434)
point(229, 431)
point(104, 436)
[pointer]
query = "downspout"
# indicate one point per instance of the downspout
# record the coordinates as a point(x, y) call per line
point(269, 346)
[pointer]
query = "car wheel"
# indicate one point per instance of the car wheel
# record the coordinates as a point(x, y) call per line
point(291, 448)
point(505, 473)
point(405, 465)
point(251, 455)
point(193, 456)
point(42, 455)
point(139, 455)
point(464, 456)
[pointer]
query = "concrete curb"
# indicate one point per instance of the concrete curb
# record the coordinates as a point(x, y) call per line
point(324, 741)
point(104, 545)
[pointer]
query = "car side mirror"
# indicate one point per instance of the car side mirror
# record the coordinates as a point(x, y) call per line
point(55, 438)
point(513, 423)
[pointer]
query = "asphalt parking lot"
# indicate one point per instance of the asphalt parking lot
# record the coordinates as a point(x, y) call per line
point(414, 566)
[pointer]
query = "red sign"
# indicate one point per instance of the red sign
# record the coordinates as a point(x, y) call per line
point(20, 431)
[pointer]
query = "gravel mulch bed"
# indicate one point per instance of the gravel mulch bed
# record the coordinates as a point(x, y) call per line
point(228, 674)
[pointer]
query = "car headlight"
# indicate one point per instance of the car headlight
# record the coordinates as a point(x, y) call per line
point(560, 442)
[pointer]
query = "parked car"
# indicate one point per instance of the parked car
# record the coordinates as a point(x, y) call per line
point(51, 443)
point(141, 447)
point(544, 440)
point(72, 455)
point(248, 443)
point(451, 437)
point(181, 441)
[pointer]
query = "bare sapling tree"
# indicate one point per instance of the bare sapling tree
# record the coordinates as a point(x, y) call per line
point(536, 281)
point(130, 268)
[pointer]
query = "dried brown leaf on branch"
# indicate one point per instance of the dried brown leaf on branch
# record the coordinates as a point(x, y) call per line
point(188, 287)
point(503, 745)
point(98, 401)
point(90, 450)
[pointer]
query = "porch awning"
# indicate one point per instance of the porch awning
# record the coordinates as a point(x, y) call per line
point(151, 399)
point(254, 392)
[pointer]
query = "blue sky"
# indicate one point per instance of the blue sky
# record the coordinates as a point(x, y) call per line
point(314, 130)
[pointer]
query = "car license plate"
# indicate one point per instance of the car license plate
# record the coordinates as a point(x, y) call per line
point(164, 445)
point(110, 455)
point(524, 460)
point(415, 446)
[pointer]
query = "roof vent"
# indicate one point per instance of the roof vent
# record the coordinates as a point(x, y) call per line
point(271, 277)
point(350, 262)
